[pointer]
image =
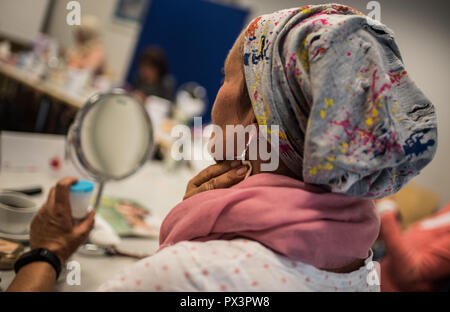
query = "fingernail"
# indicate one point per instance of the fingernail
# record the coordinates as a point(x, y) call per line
point(235, 163)
point(242, 171)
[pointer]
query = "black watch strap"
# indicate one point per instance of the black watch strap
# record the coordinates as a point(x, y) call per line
point(37, 255)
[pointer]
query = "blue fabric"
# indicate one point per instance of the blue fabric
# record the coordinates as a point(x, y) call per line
point(196, 35)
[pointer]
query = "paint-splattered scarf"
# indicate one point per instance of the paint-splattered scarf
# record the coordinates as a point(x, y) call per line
point(350, 117)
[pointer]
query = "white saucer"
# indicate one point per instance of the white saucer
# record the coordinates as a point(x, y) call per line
point(16, 237)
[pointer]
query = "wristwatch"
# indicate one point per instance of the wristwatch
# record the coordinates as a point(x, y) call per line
point(36, 255)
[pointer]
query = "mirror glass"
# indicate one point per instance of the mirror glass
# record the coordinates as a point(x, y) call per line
point(114, 136)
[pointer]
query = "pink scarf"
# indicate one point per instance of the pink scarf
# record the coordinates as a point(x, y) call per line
point(300, 221)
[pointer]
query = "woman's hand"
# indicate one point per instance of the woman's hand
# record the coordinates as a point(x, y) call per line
point(53, 226)
point(222, 175)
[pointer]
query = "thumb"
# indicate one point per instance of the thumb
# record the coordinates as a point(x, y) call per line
point(82, 229)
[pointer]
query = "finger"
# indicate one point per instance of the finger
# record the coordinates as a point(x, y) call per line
point(62, 201)
point(84, 228)
point(225, 180)
point(214, 171)
point(51, 198)
point(229, 178)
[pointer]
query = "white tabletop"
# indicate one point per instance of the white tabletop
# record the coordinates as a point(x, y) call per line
point(155, 186)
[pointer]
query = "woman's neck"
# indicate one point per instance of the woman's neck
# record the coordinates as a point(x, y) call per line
point(282, 169)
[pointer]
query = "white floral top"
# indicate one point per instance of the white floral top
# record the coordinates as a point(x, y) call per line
point(237, 265)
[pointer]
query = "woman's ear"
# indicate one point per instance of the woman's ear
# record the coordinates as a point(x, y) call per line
point(247, 115)
point(246, 112)
point(249, 118)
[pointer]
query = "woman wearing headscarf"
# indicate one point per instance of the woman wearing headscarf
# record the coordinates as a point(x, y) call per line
point(88, 51)
point(352, 127)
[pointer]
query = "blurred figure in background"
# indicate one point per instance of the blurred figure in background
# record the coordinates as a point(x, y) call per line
point(419, 258)
point(88, 52)
point(153, 75)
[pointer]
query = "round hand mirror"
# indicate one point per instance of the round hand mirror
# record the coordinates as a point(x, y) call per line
point(111, 138)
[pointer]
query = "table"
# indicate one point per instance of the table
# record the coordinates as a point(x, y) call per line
point(51, 91)
point(155, 186)
point(55, 92)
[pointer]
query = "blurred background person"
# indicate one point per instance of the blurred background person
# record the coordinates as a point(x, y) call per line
point(153, 77)
point(88, 52)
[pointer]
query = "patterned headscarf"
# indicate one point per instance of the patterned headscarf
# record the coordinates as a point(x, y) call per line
point(350, 117)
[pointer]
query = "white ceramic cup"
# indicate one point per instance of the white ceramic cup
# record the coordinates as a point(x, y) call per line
point(16, 213)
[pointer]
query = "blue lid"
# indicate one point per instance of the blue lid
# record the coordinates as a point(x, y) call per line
point(82, 187)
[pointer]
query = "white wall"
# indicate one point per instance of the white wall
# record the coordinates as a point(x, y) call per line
point(22, 24)
point(119, 37)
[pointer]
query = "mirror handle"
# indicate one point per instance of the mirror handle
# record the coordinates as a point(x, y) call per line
point(98, 197)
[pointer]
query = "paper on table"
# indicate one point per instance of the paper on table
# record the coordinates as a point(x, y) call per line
point(27, 152)
point(128, 217)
